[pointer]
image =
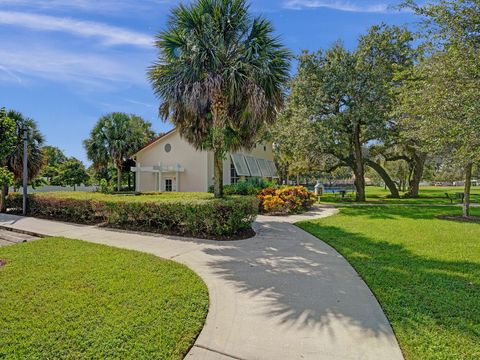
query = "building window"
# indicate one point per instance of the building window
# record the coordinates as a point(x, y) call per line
point(168, 148)
point(168, 185)
point(233, 174)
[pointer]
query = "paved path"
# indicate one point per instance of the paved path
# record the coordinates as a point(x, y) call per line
point(10, 237)
point(281, 295)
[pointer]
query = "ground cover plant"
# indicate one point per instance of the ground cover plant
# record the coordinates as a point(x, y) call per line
point(424, 271)
point(64, 298)
point(195, 214)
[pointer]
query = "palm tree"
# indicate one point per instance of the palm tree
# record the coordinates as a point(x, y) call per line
point(14, 161)
point(114, 138)
point(220, 76)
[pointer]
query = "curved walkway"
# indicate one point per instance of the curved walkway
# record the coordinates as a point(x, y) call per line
point(280, 295)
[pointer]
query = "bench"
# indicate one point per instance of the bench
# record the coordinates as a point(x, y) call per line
point(457, 196)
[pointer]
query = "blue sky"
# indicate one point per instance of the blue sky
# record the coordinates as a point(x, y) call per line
point(65, 63)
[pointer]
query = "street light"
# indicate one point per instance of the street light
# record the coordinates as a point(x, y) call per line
point(25, 170)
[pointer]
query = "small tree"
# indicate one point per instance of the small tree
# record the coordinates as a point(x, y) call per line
point(72, 173)
point(8, 134)
point(14, 161)
point(6, 180)
point(7, 145)
point(54, 158)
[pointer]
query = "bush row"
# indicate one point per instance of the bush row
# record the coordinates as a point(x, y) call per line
point(210, 218)
point(285, 200)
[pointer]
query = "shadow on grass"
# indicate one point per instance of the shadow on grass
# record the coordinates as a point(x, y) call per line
point(403, 211)
point(431, 303)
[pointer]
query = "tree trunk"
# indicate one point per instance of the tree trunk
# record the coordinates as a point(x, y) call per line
point(385, 177)
point(220, 116)
point(468, 186)
point(359, 167)
point(3, 199)
point(418, 165)
point(119, 178)
point(218, 174)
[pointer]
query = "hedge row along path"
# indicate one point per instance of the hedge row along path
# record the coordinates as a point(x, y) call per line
point(280, 295)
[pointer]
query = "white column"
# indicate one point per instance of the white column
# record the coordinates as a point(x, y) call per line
point(177, 189)
point(137, 177)
point(160, 178)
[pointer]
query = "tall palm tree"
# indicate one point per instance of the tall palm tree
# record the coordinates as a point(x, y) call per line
point(220, 76)
point(114, 138)
point(14, 161)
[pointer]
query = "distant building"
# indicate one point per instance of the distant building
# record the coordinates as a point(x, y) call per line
point(170, 163)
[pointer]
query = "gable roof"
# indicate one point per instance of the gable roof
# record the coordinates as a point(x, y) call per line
point(154, 141)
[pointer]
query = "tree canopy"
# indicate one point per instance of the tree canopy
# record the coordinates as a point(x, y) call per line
point(439, 104)
point(114, 138)
point(72, 172)
point(341, 101)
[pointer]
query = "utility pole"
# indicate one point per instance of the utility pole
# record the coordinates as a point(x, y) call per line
point(25, 170)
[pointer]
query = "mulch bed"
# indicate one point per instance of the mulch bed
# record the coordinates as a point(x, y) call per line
point(244, 235)
point(473, 219)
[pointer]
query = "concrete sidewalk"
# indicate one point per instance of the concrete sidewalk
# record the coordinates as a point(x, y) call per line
point(280, 295)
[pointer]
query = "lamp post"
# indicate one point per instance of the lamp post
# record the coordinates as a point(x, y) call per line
point(25, 170)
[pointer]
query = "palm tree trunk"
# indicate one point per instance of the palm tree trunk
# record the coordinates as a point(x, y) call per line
point(119, 178)
point(219, 113)
point(218, 174)
point(468, 186)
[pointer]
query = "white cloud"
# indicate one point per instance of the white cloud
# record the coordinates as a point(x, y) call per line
point(110, 35)
point(337, 5)
point(87, 5)
point(21, 63)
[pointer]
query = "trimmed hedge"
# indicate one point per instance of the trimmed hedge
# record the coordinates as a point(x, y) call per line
point(208, 218)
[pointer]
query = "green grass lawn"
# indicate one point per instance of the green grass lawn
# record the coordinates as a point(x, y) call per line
point(428, 195)
point(424, 271)
point(63, 298)
point(157, 197)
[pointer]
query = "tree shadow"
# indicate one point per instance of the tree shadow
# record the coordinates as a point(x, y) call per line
point(427, 212)
point(303, 282)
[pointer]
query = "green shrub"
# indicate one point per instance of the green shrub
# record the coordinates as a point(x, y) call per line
point(251, 186)
point(207, 218)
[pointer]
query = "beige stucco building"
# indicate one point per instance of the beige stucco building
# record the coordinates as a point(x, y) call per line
point(170, 163)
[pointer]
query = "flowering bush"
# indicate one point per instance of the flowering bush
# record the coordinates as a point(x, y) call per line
point(285, 200)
